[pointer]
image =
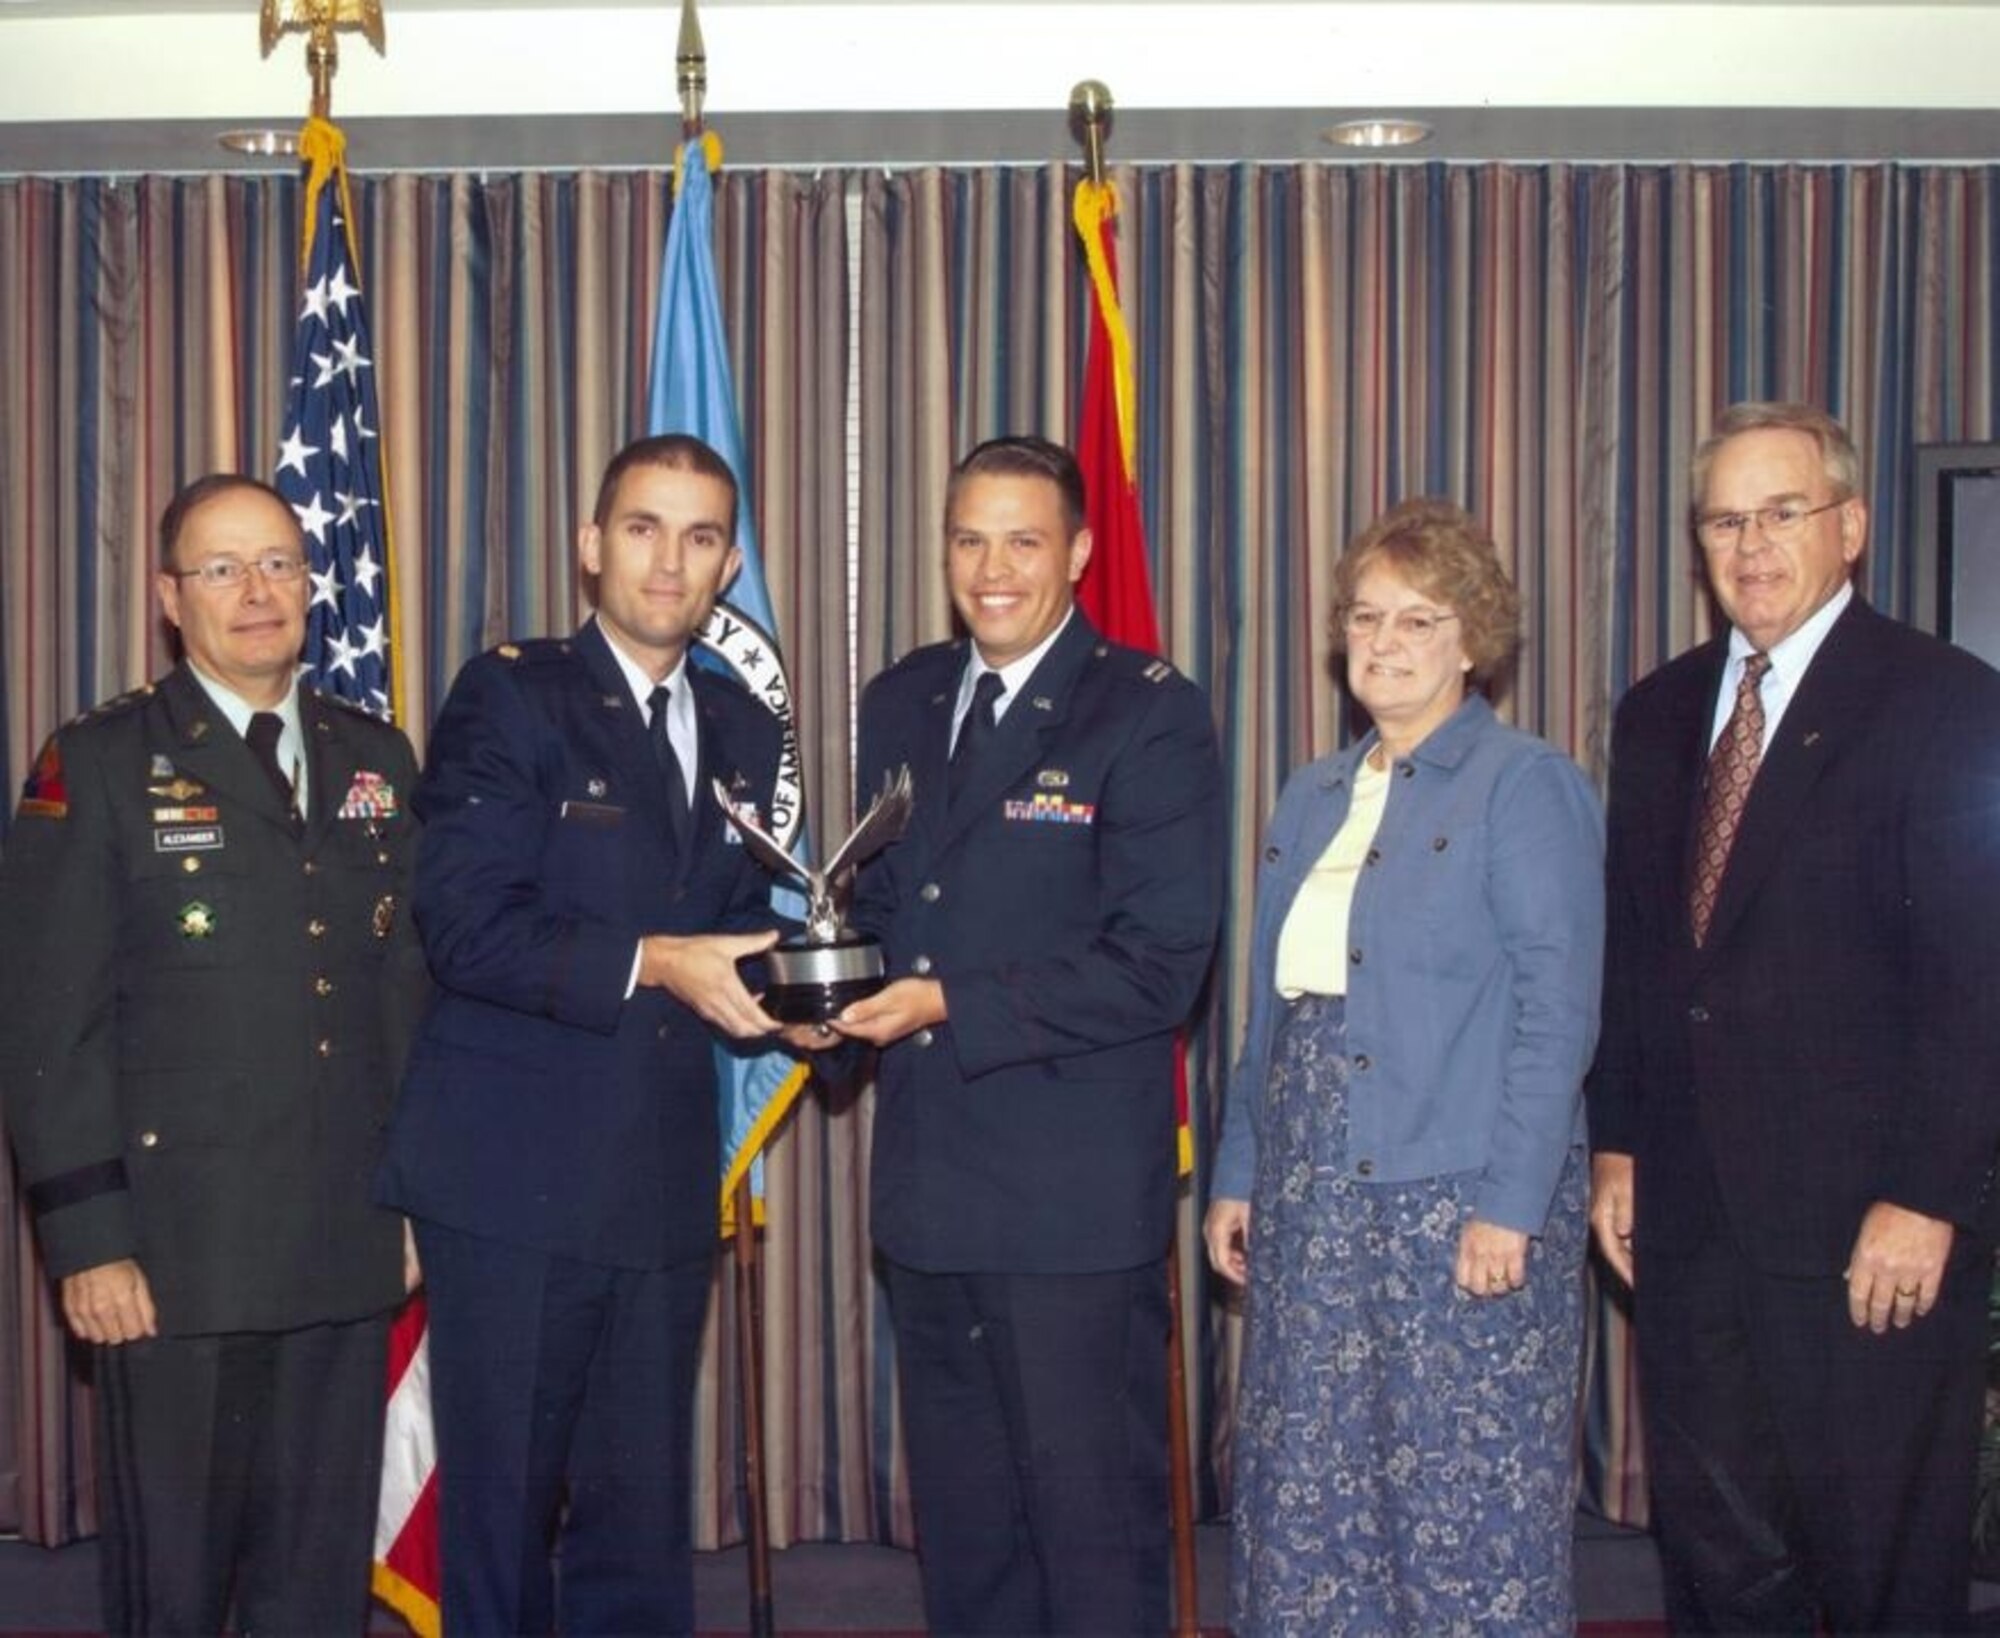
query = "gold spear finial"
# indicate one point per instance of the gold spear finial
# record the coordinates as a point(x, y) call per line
point(1090, 124)
point(319, 20)
point(691, 69)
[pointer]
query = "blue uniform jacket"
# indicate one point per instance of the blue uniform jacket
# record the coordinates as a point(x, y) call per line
point(1476, 945)
point(1069, 903)
point(542, 1107)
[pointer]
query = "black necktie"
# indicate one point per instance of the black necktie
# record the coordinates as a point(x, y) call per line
point(976, 733)
point(262, 734)
point(670, 766)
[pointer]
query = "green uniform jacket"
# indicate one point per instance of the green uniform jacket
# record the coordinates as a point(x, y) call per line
point(205, 1014)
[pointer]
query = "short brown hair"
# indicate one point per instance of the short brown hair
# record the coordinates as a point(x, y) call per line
point(1442, 550)
point(678, 452)
point(193, 496)
point(1837, 456)
point(1023, 457)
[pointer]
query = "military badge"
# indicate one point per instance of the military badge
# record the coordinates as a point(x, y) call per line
point(196, 920)
point(1052, 779)
point(163, 766)
point(595, 789)
point(45, 796)
point(187, 839)
point(177, 789)
point(1051, 810)
point(369, 797)
point(385, 915)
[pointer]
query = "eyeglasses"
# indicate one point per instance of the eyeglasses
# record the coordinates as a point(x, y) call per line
point(1415, 626)
point(223, 573)
point(1778, 524)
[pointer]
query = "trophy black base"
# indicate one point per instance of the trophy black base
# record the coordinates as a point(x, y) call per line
point(810, 983)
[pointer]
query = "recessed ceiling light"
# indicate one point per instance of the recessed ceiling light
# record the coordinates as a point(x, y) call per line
point(1377, 133)
point(261, 144)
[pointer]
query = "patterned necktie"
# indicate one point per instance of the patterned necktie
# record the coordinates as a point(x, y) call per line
point(976, 732)
point(262, 735)
point(678, 810)
point(1732, 765)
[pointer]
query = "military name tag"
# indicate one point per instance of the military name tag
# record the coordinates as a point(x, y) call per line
point(188, 839)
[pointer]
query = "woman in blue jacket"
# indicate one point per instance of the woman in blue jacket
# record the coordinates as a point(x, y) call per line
point(1401, 1179)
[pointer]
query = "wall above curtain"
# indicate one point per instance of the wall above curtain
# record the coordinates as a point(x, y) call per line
point(93, 86)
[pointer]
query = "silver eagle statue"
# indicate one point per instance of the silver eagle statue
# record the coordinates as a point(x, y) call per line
point(885, 820)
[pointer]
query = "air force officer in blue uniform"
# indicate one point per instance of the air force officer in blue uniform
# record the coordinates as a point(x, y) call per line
point(556, 1145)
point(1048, 919)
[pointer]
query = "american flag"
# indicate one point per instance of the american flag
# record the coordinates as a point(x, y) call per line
point(330, 465)
point(330, 469)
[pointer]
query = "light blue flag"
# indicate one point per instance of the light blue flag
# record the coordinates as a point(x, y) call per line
point(691, 391)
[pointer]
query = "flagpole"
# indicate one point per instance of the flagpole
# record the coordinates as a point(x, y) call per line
point(1090, 120)
point(691, 77)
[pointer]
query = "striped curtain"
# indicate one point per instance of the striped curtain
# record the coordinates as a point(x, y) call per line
point(1542, 343)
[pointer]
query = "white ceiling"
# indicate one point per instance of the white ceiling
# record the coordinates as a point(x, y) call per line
point(127, 84)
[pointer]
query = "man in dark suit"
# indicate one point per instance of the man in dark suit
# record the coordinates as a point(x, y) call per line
point(1048, 920)
point(557, 1141)
point(210, 976)
point(1794, 1107)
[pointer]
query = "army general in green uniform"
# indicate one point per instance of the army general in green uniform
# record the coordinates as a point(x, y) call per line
point(210, 976)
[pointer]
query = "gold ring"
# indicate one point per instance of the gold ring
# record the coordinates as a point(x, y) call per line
point(1906, 1291)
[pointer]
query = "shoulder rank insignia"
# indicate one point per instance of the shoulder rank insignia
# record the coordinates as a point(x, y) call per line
point(45, 796)
point(509, 651)
point(1158, 672)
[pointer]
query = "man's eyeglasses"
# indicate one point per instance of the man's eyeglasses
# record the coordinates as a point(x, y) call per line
point(223, 573)
point(1778, 524)
point(1414, 626)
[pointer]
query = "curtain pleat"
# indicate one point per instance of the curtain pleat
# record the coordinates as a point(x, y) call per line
point(1543, 343)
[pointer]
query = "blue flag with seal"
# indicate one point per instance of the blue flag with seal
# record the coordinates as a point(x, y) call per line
point(692, 391)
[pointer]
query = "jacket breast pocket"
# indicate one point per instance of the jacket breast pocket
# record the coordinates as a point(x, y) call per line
point(189, 909)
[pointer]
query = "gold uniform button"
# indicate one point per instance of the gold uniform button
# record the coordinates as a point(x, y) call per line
point(191, 865)
point(382, 858)
point(322, 985)
point(921, 965)
point(923, 1038)
point(930, 892)
point(311, 867)
point(149, 1140)
point(326, 1049)
point(316, 928)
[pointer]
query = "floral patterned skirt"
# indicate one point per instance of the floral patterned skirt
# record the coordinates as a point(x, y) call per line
point(1405, 1454)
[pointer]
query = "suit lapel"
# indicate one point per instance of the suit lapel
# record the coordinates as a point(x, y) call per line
point(1030, 723)
point(621, 730)
point(330, 765)
point(214, 754)
point(930, 770)
point(1833, 697)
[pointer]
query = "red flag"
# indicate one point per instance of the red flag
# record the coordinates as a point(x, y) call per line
point(1117, 588)
point(1116, 591)
point(406, 1522)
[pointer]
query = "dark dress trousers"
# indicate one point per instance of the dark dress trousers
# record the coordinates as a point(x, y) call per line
point(1833, 1043)
point(557, 1142)
point(206, 1015)
point(1023, 1159)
